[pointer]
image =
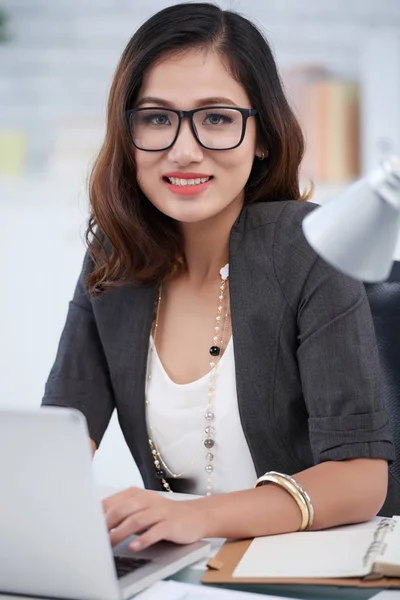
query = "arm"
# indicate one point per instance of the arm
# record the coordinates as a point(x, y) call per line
point(342, 492)
point(79, 377)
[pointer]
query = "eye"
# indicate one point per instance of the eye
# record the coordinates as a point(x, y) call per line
point(217, 119)
point(161, 120)
point(156, 119)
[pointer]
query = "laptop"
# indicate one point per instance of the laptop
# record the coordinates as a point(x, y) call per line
point(53, 535)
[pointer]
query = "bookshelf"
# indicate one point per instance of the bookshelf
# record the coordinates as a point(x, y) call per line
point(351, 122)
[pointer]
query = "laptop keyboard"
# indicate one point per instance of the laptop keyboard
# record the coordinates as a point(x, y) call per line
point(127, 564)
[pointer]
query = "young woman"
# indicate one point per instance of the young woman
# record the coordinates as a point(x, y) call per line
point(233, 355)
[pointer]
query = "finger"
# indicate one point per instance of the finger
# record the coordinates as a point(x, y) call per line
point(132, 492)
point(125, 506)
point(116, 514)
point(151, 536)
point(116, 498)
point(135, 524)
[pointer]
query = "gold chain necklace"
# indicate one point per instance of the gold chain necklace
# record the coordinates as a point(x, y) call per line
point(216, 351)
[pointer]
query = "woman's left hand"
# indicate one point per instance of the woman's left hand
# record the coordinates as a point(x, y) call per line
point(153, 518)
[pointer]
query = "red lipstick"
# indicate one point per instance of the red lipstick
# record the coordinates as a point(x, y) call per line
point(187, 190)
point(182, 175)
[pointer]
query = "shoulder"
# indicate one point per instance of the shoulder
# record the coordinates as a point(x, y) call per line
point(286, 215)
point(277, 242)
point(298, 269)
point(282, 224)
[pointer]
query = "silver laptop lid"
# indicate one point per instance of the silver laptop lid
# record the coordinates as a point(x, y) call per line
point(53, 536)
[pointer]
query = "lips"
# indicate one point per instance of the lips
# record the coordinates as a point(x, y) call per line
point(182, 175)
point(196, 186)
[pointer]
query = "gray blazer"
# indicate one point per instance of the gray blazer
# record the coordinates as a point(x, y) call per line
point(307, 367)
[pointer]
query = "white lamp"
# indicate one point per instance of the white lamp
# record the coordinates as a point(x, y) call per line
point(357, 231)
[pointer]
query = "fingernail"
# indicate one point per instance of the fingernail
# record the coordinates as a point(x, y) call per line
point(134, 545)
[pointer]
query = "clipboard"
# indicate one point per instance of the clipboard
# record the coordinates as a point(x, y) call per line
point(220, 570)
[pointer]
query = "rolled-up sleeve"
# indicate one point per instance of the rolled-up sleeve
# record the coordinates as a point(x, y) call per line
point(80, 377)
point(339, 368)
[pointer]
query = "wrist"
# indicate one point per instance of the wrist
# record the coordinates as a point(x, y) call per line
point(209, 517)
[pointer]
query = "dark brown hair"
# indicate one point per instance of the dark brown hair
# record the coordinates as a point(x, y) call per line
point(128, 238)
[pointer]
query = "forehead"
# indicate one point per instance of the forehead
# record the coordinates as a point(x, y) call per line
point(184, 79)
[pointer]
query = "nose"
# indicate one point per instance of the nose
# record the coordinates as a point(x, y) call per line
point(186, 148)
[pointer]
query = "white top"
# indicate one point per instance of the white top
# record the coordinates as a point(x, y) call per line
point(176, 414)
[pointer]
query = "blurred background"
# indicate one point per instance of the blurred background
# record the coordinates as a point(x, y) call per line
point(340, 63)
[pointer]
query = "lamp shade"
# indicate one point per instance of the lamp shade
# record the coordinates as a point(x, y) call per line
point(357, 231)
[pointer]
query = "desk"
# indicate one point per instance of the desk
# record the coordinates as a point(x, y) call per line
point(194, 575)
point(311, 592)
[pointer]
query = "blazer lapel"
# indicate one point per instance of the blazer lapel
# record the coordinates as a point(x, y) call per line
point(125, 328)
point(256, 318)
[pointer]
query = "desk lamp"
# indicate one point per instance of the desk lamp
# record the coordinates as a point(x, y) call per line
point(357, 232)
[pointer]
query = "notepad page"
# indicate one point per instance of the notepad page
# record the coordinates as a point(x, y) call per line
point(388, 560)
point(337, 552)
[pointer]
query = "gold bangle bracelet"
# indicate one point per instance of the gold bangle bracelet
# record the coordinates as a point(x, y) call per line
point(295, 490)
point(302, 492)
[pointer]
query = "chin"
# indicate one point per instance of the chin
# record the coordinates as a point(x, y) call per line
point(196, 216)
point(189, 210)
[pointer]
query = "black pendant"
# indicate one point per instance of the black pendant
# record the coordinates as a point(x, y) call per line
point(160, 474)
point(215, 351)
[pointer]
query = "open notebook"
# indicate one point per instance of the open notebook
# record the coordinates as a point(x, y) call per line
point(352, 553)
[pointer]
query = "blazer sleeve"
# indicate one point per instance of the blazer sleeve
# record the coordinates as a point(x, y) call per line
point(337, 354)
point(80, 377)
point(340, 369)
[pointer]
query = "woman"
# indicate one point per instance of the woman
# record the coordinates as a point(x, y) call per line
point(233, 355)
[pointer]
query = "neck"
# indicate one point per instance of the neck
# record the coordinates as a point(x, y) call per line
point(207, 244)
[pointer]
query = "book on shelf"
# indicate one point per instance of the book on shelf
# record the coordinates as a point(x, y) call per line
point(327, 107)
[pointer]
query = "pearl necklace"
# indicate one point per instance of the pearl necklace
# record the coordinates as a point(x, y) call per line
point(216, 350)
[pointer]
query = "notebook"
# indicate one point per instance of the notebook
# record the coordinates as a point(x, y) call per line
point(366, 554)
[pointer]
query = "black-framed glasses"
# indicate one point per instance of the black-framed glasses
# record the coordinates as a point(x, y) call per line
point(154, 129)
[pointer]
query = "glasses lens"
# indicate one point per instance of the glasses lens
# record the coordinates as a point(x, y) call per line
point(219, 128)
point(153, 128)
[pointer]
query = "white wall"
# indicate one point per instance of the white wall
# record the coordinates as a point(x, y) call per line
point(41, 252)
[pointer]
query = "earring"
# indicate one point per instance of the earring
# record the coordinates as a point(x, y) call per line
point(263, 155)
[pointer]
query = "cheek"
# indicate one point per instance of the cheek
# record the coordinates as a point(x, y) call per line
point(146, 163)
point(238, 165)
point(241, 159)
point(245, 158)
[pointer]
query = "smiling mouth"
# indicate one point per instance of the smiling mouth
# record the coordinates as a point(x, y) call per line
point(187, 182)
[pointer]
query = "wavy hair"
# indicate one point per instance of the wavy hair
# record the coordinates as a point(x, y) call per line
point(131, 241)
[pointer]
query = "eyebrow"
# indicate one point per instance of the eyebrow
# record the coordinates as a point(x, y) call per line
point(199, 103)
